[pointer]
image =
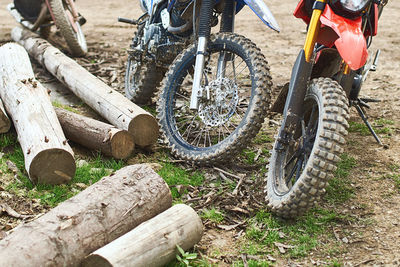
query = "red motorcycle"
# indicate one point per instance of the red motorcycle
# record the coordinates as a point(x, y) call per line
point(40, 15)
point(326, 80)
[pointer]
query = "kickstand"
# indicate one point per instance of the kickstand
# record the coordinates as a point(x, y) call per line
point(359, 104)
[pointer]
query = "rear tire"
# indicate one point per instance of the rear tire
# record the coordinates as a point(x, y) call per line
point(76, 40)
point(141, 81)
point(299, 172)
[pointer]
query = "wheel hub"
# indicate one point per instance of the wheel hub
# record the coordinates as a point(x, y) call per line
point(221, 104)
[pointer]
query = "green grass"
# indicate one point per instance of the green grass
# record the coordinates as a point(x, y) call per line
point(52, 195)
point(263, 138)
point(249, 156)
point(380, 127)
point(302, 235)
point(212, 214)
point(66, 107)
point(339, 189)
point(174, 176)
point(394, 176)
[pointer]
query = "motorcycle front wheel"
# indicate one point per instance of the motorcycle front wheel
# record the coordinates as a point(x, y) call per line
point(70, 30)
point(233, 105)
point(299, 170)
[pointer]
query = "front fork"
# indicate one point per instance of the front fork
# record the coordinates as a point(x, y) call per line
point(301, 73)
point(227, 25)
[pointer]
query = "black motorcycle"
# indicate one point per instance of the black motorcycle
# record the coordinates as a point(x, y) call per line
point(216, 92)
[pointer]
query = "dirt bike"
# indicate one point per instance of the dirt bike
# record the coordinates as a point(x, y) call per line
point(40, 15)
point(217, 90)
point(326, 80)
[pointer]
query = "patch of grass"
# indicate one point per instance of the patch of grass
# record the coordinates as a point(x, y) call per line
point(213, 215)
point(262, 138)
point(379, 127)
point(253, 263)
point(383, 122)
point(174, 176)
point(301, 236)
point(52, 195)
point(339, 189)
point(66, 107)
point(249, 156)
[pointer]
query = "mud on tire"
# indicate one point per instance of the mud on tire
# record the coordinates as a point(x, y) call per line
point(331, 129)
point(258, 101)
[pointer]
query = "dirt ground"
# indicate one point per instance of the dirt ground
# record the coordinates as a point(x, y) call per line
point(377, 243)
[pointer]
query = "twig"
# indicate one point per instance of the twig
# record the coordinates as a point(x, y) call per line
point(225, 178)
point(235, 191)
point(244, 258)
point(227, 173)
point(258, 154)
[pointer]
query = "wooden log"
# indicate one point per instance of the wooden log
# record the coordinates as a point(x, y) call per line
point(113, 106)
point(48, 157)
point(153, 243)
point(5, 123)
point(95, 134)
point(84, 223)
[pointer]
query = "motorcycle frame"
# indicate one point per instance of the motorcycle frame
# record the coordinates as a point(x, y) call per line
point(323, 28)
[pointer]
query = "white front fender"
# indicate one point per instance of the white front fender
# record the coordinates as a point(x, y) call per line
point(263, 12)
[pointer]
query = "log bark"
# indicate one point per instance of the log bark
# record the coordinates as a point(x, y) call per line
point(84, 223)
point(153, 243)
point(48, 157)
point(113, 106)
point(5, 123)
point(95, 134)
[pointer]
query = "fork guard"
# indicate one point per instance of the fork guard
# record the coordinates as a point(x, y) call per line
point(351, 43)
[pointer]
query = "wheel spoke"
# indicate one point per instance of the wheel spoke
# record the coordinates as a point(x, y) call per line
point(289, 177)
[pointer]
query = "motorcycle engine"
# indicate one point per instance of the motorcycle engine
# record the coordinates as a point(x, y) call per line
point(29, 9)
point(152, 35)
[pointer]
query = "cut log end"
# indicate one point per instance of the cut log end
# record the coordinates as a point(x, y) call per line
point(144, 129)
point(122, 145)
point(52, 166)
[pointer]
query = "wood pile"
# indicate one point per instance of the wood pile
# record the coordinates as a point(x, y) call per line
point(43, 131)
point(126, 218)
point(125, 200)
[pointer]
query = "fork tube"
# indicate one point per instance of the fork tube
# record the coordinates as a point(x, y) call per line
point(73, 9)
point(313, 29)
point(204, 34)
point(301, 73)
point(227, 25)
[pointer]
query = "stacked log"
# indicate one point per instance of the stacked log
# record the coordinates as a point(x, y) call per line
point(84, 223)
point(113, 106)
point(96, 135)
point(48, 157)
point(154, 242)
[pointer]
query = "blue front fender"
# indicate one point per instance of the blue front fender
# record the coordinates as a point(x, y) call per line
point(263, 12)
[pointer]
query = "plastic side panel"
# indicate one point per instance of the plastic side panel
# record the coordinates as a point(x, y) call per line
point(351, 43)
point(263, 12)
point(301, 13)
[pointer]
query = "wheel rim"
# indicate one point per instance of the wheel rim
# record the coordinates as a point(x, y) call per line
point(292, 158)
point(77, 30)
point(219, 115)
point(80, 37)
